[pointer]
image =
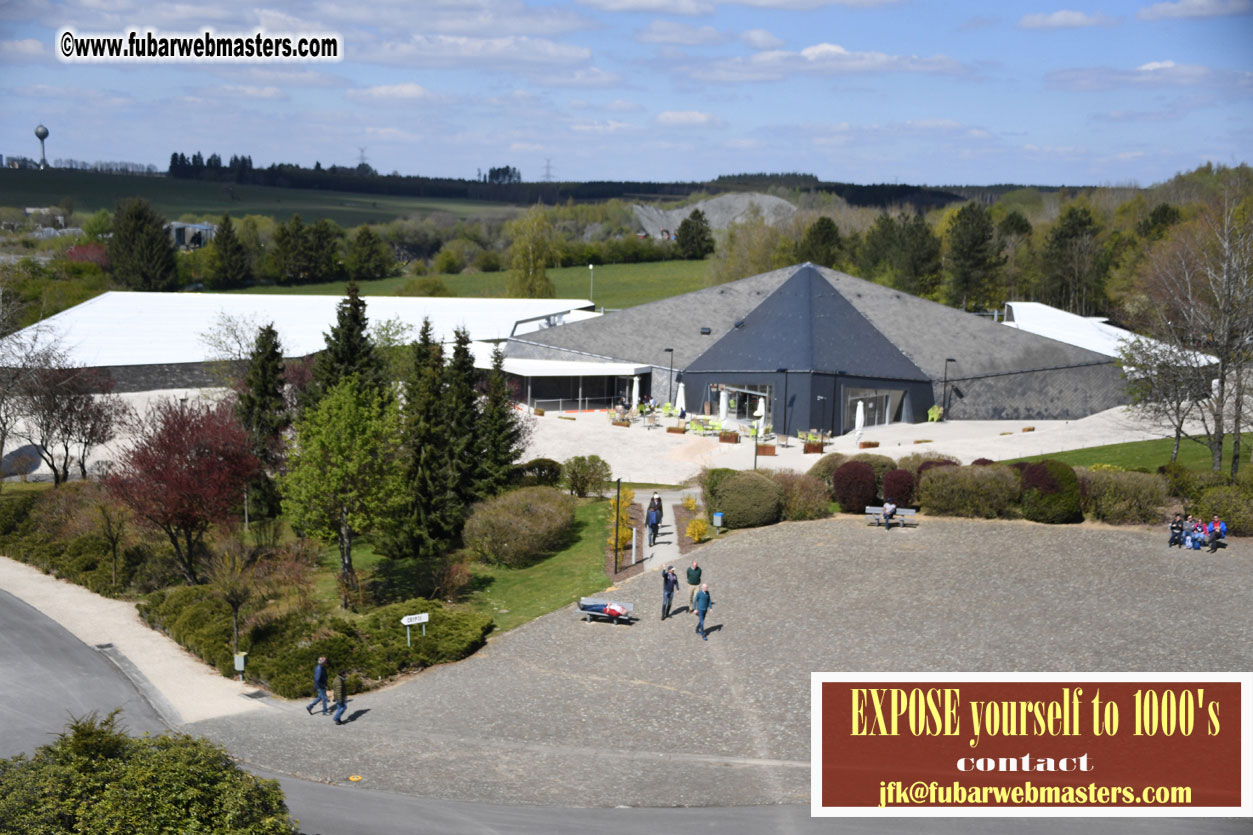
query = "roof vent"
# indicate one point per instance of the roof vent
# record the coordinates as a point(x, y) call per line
point(706, 331)
point(739, 323)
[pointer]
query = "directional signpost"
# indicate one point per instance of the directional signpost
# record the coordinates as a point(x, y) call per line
point(410, 620)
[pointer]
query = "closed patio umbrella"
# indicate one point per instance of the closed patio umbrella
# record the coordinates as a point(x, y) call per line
point(861, 420)
point(635, 392)
point(680, 399)
point(722, 405)
point(760, 414)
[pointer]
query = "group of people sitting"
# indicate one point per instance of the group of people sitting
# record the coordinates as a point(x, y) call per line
point(1193, 534)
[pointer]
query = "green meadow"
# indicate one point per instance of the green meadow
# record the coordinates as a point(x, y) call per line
point(1149, 455)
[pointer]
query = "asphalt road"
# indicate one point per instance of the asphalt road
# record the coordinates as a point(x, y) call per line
point(51, 676)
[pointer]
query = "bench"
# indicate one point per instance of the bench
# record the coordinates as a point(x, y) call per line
point(904, 516)
point(589, 615)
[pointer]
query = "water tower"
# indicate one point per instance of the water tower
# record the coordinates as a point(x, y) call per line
point(42, 133)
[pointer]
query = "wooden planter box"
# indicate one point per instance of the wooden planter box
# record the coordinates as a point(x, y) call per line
point(765, 449)
point(676, 430)
point(1028, 429)
point(622, 423)
point(729, 437)
point(538, 412)
point(809, 448)
point(565, 417)
point(868, 444)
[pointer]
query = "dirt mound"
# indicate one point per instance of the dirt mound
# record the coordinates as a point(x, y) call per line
point(720, 211)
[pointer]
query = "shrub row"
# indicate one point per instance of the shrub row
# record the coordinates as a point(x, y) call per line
point(750, 498)
point(977, 492)
point(282, 650)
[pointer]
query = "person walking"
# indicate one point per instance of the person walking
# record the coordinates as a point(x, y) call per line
point(319, 684)
point(693, 580)
point(655, 501)
point(341, 696)
point(653, 520)
point(703, 602)
point(669, 583)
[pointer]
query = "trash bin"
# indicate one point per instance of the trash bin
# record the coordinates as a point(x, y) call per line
point(718, 520)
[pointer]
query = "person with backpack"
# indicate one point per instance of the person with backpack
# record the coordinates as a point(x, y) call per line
point(653, 520)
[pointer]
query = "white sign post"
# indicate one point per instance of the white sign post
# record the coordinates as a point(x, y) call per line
point(410, 620)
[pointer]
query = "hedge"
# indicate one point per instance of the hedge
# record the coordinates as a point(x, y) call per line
point(587, 475)
point(881, 464)
point(914, 461)
point(538, 472)
point(518, 526)
point(749, 499)
point(1050, 493)
point(979, 492)
point(898, 485)
point(1233, 505)
point(853, 486)
point(710, 481)
point(283, 650)
point(1121, 497)
point(804, 496)
point(825, 466)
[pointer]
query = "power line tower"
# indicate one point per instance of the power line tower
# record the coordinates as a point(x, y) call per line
point(548, 170)
point(361, 155)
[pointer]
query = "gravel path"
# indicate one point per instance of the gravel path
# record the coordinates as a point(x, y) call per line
point(560, 711)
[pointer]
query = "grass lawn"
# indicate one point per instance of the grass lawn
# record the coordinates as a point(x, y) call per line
point(16, 487)
point(1148, 455)
point(617, 285)
point(513, 596)
point(174, 198)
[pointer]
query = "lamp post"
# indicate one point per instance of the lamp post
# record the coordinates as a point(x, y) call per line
point(944, 396)
point(591, 283)
point(783, 371)
point(670, 377)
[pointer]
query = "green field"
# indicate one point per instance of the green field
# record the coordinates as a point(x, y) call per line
point(173, 198)
point(1149, 455)
point(617, 285)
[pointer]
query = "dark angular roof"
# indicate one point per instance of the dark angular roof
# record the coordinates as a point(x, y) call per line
point(805, 325)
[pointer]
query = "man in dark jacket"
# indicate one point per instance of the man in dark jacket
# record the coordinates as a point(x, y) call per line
point(1176, 532)
point(341, 696)
point(319, 683)
point(693, 580)
point(669, 583)
point(653, 520)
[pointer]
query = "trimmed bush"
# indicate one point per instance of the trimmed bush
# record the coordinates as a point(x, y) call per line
point(915, 460)
point(519, 526)
point(710, 481)
point(1120, 497)
point(853, 486)
point(934, 464)
point(879, 463)
point(826, 465)
point(282, 651)
point(1233, 506)
point(539, 472)
point(978, 492)
point(1050, 493)
point(804, 497)
point(898, 485)
point(749, 500)
point(982, 462)
point(587, 475)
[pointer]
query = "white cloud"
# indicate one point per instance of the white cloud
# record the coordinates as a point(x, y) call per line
point(688, 119)
point(760, 39)
point(587, 77)
point(392, 135)
point(251, 91)
point(407, 91)
point(680, 7)
point(460, 51)
point(1151, 74)
point(622, 106)
point(1065, 19)
point(1195, 8)
point(821, 59)
point(674, 32)
point(602, 127)
point(27, 49)
point(499, 17)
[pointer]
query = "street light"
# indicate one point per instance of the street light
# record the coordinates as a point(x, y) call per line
point(670, 377)
point(591, 283)
point(944, 397)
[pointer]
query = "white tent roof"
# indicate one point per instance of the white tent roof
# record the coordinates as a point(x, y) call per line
point(129, 328)
point(555, 368)
point(1092, 333)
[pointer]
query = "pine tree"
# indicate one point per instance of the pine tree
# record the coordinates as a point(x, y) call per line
point(262, 410)
point(368, 257)
point(972, 259)
point(461, 416)
point(231, 267)
point(499, 432)
point(140, 251)
point(821, 243)
point(349, 350)
point(694, 237)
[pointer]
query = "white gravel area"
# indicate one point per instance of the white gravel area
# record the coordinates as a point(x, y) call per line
point(654, 455)
point(187, 685)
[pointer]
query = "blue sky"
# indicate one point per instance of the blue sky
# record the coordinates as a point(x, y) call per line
point(851, 90)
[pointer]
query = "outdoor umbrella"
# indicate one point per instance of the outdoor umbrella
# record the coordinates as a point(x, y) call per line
point(760, 414)
point(680, 399)
point(861, 419)
point(722, 405)
point(635, 393)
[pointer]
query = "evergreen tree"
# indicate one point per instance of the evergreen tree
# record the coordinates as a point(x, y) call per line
point(694, 237)
point(262, 410)
point(324, 250)
point(368, 257)
point(461, 416)
point(231, 265)
point(349, 350)
point(500, 434)
point(531, 251)
point(290, 253)
point(1073, 269)
point(972, 261)
point(140, 252)
point(821, 243)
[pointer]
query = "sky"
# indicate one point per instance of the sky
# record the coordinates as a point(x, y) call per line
point(861, 91)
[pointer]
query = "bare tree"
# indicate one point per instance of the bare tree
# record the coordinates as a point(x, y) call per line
point(67, 410)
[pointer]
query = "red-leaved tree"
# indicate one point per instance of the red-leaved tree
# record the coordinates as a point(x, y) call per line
point(185, 470)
